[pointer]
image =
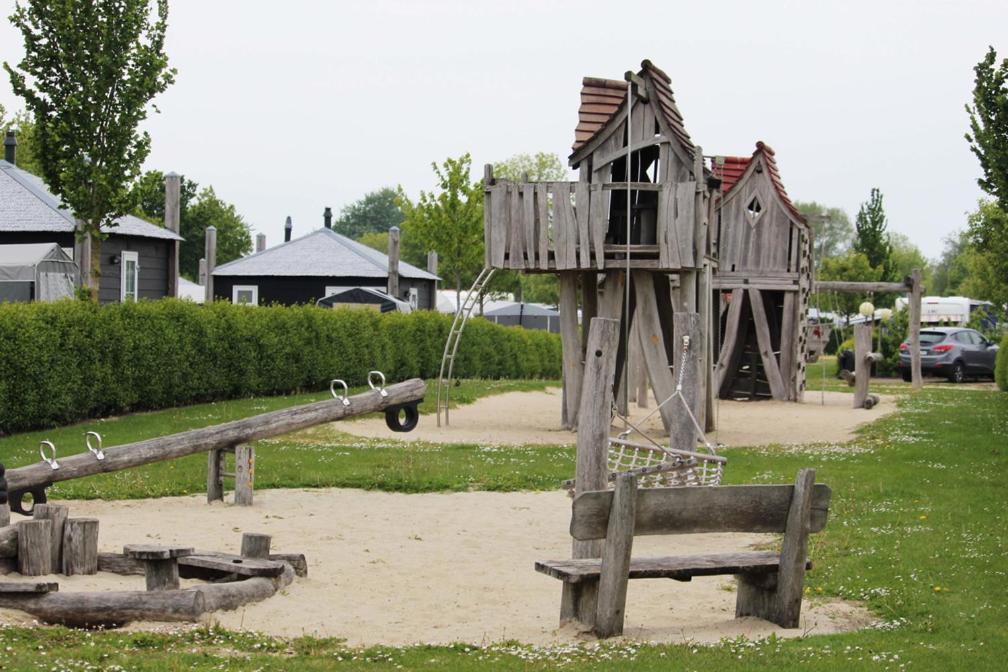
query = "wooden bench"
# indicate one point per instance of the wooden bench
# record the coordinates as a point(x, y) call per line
point(769, 584)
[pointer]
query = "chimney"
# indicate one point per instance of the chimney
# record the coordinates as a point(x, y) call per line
point(327, 217)
point(172, 205)
point(10, 147)
point(288, 227)
point(432, 262)
point(393, 262)
point(260, 242)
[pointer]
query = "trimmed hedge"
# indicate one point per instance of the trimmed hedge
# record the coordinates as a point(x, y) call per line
point(68, 361)
point(1001, 365)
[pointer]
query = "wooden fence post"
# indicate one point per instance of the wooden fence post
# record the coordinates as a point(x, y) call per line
point(80, 546)
point(35, 547)
point(56, 513)
point(915, 319)
point(570, 338)
point(215, 476)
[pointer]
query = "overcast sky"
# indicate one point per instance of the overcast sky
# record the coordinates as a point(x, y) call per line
point(288, 107)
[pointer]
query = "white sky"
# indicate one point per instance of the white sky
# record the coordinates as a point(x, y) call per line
point(288, 107)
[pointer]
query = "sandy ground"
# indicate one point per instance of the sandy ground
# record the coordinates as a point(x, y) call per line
point(433, 568)
point(518, 418)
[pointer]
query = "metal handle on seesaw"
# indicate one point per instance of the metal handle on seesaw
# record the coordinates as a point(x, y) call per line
point(51, 461)
point(346, 391)
point(97, 452)
point(370, 381)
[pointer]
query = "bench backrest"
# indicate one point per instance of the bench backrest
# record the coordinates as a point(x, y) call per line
point(686, 510)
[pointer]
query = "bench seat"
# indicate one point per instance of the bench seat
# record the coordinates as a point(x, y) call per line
point(680, 568)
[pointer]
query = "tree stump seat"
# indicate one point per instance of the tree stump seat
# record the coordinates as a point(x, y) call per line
point(160, 563)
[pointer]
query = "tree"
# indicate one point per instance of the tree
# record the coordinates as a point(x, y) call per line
point(852, 267)
point(450, 220)
point(410, 250)
point(831, 229)
point(540, 167)
point(952, 267)
point(377, 212)
point(988, 136)
point(89, 72)
point(198, 209)
point(870, 237)
point(904, 257)
point(24, 125)
point(988, 235)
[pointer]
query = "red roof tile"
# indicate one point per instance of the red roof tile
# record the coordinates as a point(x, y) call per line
point(601, 99)
point(735, 166)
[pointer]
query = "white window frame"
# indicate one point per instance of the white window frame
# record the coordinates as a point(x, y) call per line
point(245, 288)
point(413, 297)
point(125, 256)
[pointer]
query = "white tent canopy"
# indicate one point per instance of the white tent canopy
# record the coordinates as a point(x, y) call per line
point(36, 272)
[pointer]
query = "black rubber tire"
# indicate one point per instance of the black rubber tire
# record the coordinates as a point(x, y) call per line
point(3, 487)
point(958, 373)
point(907, 376)
point(408, 423)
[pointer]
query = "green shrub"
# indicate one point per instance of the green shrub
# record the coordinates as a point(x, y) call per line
point(1001, 365)
point(72, 360)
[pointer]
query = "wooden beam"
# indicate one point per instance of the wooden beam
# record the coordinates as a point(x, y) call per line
point(862, 365)
point(732, 326)
point(789, 338)
point(791, 575)
point(264, 426)
point(683, 434)
point(615, 574)
point(859, 287)
point(770, 366)
point(653, 346)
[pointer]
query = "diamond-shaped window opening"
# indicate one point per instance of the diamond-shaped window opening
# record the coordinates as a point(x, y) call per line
point(754, 209)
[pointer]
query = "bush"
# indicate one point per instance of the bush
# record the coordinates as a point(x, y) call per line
point(1001, 365)
point(68, 361)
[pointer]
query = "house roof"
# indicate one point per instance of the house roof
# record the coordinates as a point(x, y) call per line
point(27, 205)
point(602, 99)
point(735, 167)
point(321, 253)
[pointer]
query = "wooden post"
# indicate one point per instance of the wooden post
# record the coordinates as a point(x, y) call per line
point(915, 321)
point(615, 574)
point(56, 513)
point(393, 262)
point(683, 433)
point(210, 254)
point(791, 574)
point(244, 474)
point(589, 306)
point(643, 391)
point(255, 545)
point(770, 366)
point(4, 505)
point(571, 344)
point(160, 564)
point(80, 546)
point(215, 475)
point(35, 547)
point(172, 221)
point(862, 365)
point(591, 469)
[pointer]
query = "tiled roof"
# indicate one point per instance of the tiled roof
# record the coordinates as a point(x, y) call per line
point(735, 166)
point(321, 253)
point(27, 205)
point(601, 99)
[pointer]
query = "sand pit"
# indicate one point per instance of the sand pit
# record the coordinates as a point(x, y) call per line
point(433, 568)
point(521, 418)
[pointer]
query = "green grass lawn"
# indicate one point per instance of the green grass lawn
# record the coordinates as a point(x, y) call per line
point(917, 531)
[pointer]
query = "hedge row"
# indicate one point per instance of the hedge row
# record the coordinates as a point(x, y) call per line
point(1001, 365)
point(68, 361)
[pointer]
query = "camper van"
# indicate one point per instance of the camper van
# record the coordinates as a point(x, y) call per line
point(948, 310)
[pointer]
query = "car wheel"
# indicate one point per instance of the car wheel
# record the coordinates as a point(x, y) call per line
point(958, 373)
point(907, 376)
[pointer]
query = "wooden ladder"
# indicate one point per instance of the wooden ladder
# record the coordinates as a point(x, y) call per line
point(454, 336)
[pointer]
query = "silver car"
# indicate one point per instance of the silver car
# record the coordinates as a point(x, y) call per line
point(951, 352)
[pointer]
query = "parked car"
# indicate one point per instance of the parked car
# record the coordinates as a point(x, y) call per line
point(951, 352)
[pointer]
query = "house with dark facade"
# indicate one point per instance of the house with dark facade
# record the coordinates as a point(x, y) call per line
point(138, 259)
point(315, 266)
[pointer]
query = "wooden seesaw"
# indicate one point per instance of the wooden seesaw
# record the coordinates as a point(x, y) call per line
point(52, 542)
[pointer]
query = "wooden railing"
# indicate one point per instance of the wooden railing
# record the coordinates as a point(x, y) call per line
point(564, 225)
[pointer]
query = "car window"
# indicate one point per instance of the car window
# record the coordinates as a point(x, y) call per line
point(963, 337)
point(928, 337)
point(976, 337)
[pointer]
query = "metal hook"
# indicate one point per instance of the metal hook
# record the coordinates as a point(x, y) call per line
point(51, 461)
point(370, 381)
point(346, 391)
point(97, 452)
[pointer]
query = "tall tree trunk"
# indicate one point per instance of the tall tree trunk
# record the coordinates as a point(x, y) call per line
point(95, 280)
point(458, 292)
